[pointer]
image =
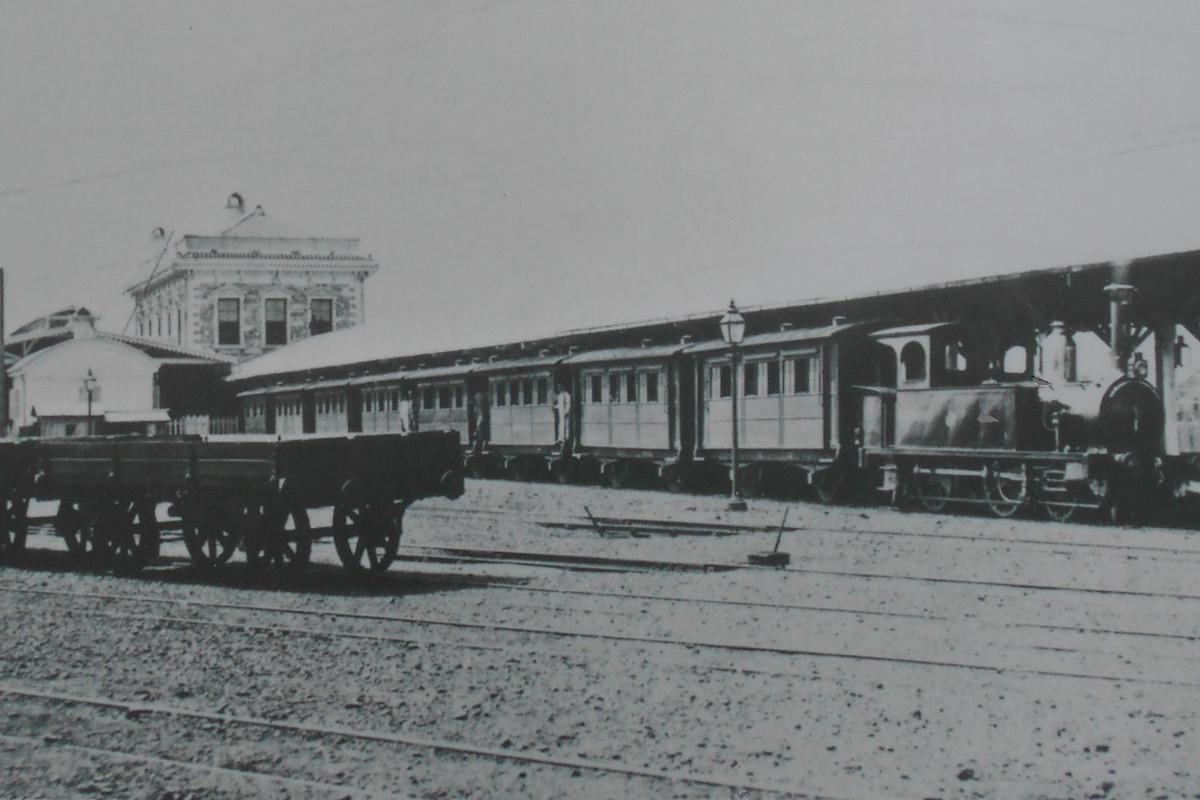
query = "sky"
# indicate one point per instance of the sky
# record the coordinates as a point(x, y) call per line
point(523, 168)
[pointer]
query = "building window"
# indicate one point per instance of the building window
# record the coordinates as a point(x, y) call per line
point(275, 321)
point(229, 321)
point(321, 317)
point(179, 325)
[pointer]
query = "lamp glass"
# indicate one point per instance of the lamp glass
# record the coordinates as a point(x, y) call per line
point(733, 325)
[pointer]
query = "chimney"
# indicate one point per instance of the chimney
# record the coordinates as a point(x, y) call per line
point(1120, 295)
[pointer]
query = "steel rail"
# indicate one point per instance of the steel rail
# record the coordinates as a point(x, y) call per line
point(662, 641)
point(385, 737)
point(253, 776)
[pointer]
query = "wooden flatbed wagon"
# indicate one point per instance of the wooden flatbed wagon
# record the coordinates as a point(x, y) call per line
point(252, 494)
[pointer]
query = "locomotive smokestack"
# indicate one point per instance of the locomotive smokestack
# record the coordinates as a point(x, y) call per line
point(1120, 295)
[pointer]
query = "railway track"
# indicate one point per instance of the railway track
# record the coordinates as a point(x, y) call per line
point(177, 711)
point(562, 632)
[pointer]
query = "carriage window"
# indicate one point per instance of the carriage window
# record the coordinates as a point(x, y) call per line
point(444, 397)
point(527, 392)
point(912, 359)
point(614, 388)
point(541, 391)
point(368, 402)
point(750, 379)
point(724, 380)
point(427, 398)
point(1016, 360)
point(773, 377)
point(954, 358)
point(651, 387)
point(631, 388)
point(459, 396)
point(801, 376)
point(501, 393)
point(597, 389)
point(514, 393)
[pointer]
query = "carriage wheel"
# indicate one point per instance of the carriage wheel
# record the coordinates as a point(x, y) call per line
point(828, 485)
point(564, 470)
point(751, 480)
point(127, 534)
point(1005, 488)
point(278, 538)
point(675, 478)
point(211, 537)
point(75, 522)
point(367, 536)
point(619, 474)
point(14, 526)
point(932, 490)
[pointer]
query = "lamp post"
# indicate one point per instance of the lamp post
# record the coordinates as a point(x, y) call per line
point(733, 330)
point(89, 386)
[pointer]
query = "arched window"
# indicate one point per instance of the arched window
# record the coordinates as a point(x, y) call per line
point(912, 361)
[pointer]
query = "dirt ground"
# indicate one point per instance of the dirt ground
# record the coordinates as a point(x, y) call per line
point(899, 655)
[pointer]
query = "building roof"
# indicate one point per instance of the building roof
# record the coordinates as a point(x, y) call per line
point(790, 336)
point(257, 225)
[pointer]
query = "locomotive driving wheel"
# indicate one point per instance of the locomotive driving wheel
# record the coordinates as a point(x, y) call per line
point(127, 534)
point(211, 535)
point(13, 526)
point(933, 491)
point(1005, 487)
point(367, 534)
point(278, 537)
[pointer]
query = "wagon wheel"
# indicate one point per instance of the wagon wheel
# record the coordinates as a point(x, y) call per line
point(278, 538)
point(1005, 488)
point(933, 491)
point(828, 485)
point(367, 534)
point(127, 534)
point(75, 522)
point(13, 526)
point(211, 536)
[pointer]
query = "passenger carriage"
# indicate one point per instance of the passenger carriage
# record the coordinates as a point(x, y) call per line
point(633, 414)
point(797, 411)
point(522, 434)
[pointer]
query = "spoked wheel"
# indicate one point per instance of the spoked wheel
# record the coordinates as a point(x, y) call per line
point(1055, 498)
point(1005, 488)
point(367, 534)
point(211, 536)
point(127, 534)
point(933, 491)
point(278, 538)
point(1058, 508)
point(13, 526)
point(619, 474)
point(75, 522)
point(828, 485)
point(564, 470)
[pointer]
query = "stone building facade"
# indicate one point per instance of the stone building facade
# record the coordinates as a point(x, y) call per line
point(254, 287)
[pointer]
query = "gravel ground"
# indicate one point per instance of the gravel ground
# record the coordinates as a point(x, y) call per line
point(899, 655)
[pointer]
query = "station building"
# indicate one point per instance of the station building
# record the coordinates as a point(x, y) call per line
point(254, 287)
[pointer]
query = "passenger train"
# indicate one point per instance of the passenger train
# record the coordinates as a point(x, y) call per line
point(929, 413)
